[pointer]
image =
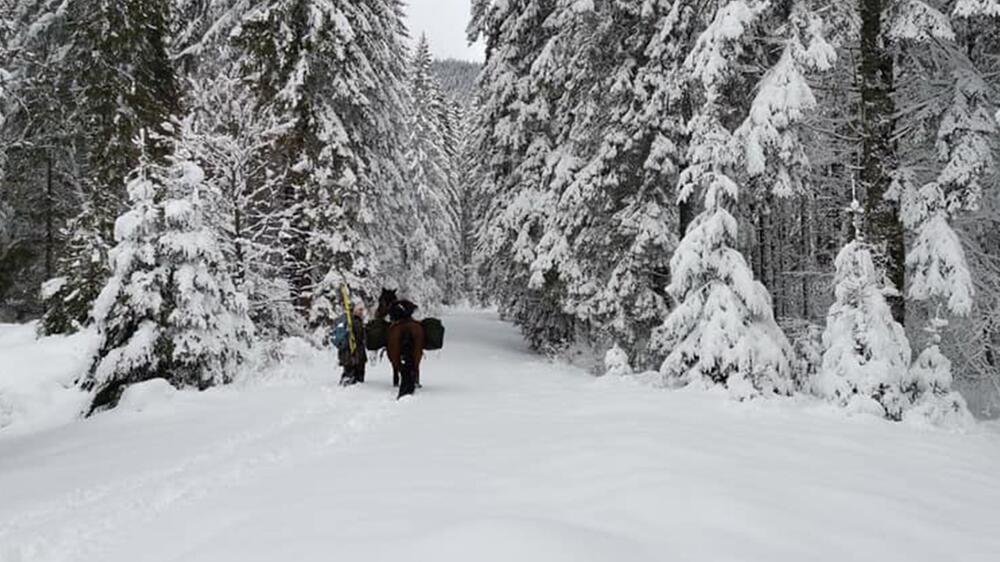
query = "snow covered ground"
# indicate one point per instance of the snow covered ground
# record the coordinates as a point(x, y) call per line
point(503, 456)
point(36, 379)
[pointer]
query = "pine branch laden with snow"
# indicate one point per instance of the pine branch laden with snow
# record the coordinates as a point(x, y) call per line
point(966, 142)
point(711, 62)
point(974, 8)
point(770, 137)
point(916, 20)
point(938, 268)
point(867, 354)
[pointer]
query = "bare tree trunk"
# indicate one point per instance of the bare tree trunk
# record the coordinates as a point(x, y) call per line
point(807, 256)
point(50, 236)
point(779, 260)
point(239, 238)
point(878, 154)
point(687, 213)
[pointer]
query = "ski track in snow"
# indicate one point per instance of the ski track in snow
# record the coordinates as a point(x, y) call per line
point(503, 456)
point(100, 514)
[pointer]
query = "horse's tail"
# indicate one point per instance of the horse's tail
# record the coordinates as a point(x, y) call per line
point(413, 341)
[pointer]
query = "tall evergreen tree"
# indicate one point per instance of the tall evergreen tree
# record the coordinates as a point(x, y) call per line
point(40, 178)
point(432, 250)
point(330, 72)
point(117, 66)
point(515, 135)
point(612, 230)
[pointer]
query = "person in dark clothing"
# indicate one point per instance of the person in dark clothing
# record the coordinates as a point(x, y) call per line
point(354, 363)
point(405, 346)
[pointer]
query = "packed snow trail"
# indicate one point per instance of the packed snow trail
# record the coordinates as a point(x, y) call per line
point(502, 456)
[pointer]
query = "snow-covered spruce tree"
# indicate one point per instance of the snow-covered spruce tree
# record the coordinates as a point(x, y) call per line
point(129, 316)
point(722, 330)
point(457, 80)
point(938, 270)
point(908, 53)
point(866, 353)
point(230, 140)
point(514, 136)
point(616, 363)
point(609, 238)
point(170, 309)
point(290, 48)
point(40, 178)
point(208, 325)
point(432, 250)
point(936, 261)
point(971, 342)
point(331, 72)
point(947, 151)
point(116, 65)
point(773, 142)
point(67, 297)
point(929, 385)
point(382, 139)
point(468, 179)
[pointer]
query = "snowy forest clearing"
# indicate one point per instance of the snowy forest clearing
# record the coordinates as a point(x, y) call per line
point(503, 456)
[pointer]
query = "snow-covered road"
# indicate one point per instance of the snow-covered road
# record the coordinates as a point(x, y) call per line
point(503, 456)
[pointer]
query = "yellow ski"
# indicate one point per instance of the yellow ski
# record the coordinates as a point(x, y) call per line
point(346, 296)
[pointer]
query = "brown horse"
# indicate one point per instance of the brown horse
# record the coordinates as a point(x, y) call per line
point(405, 341)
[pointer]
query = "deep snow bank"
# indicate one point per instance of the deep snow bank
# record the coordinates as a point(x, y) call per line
point(37, 376)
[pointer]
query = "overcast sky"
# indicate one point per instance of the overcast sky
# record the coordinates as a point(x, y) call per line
point(444, 22)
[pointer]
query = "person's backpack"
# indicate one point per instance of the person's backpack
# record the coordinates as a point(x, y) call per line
point(433, 334)
point(341, 336)
point(401, 310)
point(376, 334)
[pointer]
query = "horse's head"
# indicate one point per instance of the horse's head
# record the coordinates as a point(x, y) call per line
point(385, 300)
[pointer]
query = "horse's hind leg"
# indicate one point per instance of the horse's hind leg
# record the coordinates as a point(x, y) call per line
point(407, 385)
